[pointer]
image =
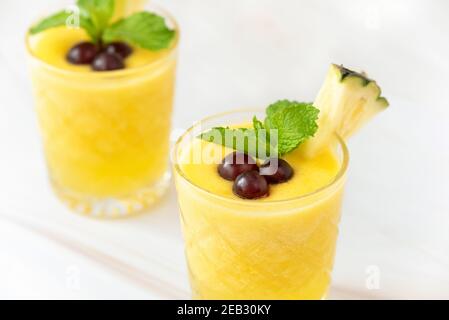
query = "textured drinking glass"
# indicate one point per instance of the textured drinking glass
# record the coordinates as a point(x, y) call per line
point(245, 249)
point(106, 135)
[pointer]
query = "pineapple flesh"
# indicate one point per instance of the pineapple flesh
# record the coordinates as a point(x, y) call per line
point(347, 100)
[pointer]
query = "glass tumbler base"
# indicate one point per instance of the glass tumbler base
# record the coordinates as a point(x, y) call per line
point(114, 207)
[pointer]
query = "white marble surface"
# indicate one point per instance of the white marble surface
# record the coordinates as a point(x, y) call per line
point(241, 53)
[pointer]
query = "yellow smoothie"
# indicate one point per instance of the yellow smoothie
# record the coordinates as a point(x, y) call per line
point(310, 174)
point(278, 247)
point(105, 135)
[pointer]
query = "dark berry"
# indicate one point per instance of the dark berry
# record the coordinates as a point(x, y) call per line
point(120, 48)
point(250, 185)
point(82, 53)
point(107, 62)
point(236, 163)
point(282, 172)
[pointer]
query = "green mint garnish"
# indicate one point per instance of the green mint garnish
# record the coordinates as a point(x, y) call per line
point(99, 12)
point(56, 20)
point(143, 29)
point(294, 121)
point(286, 126)
point(257, 124)
point(250, 141)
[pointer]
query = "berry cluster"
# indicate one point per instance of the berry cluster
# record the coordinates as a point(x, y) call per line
point(101, 58)
point(250, 180)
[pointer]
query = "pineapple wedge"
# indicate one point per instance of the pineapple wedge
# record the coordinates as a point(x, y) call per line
point(347, 100)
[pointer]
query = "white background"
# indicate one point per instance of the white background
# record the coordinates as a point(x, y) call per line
point(246, 53)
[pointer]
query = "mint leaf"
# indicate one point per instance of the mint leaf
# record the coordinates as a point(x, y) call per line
point(241, 139)
point(90, 28)
point(257, 124)
point(294, 122)
point(99, 12)
point(144, 29)
point(286, 126)
point(53, 21)
point(65, 18)
point(277, 106)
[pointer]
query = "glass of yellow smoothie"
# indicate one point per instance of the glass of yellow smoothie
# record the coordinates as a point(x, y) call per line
point(278, 247)
point(252, 233)
point(105, 134)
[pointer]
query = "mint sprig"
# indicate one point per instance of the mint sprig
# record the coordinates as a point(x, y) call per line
point(100, 12)
point(295, 122)
point(286, 126)
point(248, 140)
point(58, 19)
point(143, 29)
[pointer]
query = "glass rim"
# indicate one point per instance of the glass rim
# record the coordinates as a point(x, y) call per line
point(117, 73)
point(337, 178)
